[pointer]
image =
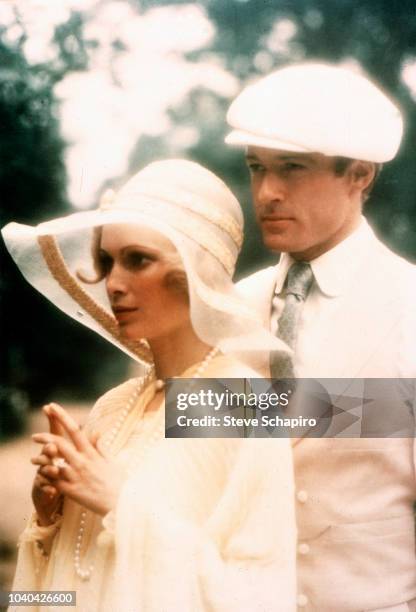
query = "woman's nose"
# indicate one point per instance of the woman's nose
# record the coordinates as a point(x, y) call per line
point(116, 282)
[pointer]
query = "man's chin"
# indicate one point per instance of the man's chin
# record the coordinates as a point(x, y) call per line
point(277, 243)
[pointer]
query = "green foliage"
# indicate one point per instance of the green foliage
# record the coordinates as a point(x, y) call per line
point(72, 49)
point(32, 174)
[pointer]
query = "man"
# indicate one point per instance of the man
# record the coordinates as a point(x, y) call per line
point(315, 136)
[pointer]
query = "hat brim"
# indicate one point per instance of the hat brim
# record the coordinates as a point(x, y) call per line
point(242, 138)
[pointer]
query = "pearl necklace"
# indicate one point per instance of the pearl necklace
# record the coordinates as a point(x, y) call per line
point(85, 574)
point(201, 368)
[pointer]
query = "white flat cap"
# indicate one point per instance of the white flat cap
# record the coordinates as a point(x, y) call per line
point(318, 108)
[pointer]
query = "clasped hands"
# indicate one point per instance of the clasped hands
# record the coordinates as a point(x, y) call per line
point(74, 465)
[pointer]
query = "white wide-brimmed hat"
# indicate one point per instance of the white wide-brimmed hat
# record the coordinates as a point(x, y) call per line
point(317, 108)
point(185, 203)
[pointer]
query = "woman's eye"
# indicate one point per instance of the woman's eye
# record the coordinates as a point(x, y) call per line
point(136, 260)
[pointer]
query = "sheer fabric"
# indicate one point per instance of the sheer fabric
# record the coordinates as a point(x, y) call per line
point(200, 524)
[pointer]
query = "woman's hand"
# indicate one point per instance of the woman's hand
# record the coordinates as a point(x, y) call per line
point(87, 475)
point(46, 498)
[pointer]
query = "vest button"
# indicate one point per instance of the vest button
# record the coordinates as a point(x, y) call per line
point(302, 496)
point(303, 548)
point(302, 600)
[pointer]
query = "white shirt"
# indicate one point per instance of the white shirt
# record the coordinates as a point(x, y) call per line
point(333, 272)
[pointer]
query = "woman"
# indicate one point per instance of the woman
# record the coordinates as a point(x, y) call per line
point(126, 518)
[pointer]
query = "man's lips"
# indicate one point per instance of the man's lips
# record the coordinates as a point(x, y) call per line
point(275, 218)
point(268, 220)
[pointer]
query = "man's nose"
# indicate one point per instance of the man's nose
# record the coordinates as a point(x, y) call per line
point(270, 189)
point(115, 282)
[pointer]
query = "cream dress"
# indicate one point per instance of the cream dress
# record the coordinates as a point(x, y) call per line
point(200, 524)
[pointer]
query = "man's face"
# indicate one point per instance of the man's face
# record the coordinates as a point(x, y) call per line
point(301, 205)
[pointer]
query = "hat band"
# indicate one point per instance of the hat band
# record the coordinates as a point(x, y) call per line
point(60, 272)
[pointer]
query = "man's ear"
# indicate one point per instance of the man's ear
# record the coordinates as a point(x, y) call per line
point(362, 174)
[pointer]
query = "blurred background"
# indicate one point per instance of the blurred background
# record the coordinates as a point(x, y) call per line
point(92, 90)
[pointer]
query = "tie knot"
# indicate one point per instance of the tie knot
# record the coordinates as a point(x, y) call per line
point(299, 280)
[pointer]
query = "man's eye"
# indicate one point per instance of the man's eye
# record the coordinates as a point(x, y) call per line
point(254, 168)
point(288, 166)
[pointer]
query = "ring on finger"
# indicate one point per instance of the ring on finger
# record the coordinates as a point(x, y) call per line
point(60, 462)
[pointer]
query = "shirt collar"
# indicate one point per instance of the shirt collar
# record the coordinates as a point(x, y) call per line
point(282, 268)
point(333, 270)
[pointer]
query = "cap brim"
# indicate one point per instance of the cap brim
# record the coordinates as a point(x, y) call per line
point(242, 138)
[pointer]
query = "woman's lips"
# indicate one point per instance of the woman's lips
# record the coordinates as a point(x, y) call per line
point(122, 313)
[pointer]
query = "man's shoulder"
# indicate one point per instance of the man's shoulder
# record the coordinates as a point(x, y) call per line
point(391, 265)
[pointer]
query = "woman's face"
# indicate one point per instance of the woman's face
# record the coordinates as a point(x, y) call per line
point(136, 263)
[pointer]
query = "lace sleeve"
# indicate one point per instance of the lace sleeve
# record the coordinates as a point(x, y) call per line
point(41, 537)
point(35, 532)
